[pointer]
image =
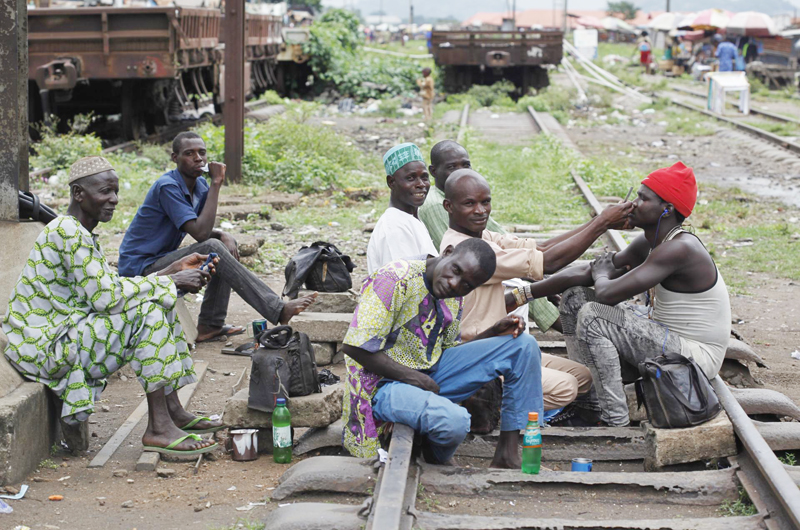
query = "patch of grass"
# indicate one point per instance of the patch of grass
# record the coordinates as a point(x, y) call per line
point(761, 91)
point(271, 97)
point(59, 151)
point(48, 463)
point(789, 459)
point(532, 185)
point(290, 154)
point(742, 506)
point(686, 122)
point(779, 128)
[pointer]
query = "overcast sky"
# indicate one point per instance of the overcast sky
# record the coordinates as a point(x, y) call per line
point(465, 8)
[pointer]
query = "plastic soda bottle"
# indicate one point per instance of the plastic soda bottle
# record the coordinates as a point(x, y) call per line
point(532, 446)
point(281, 433)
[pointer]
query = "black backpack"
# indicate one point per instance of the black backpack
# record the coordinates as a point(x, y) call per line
point(322, 267)
point(283, 366)
point(675, 392)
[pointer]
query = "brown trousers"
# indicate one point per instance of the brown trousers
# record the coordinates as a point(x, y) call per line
point(562, 381)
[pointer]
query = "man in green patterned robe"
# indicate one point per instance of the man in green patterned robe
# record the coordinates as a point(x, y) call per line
point(72, 321)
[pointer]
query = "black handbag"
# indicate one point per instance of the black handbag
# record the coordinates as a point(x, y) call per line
point(675, 392)
point(283, 366)
point(321, 267)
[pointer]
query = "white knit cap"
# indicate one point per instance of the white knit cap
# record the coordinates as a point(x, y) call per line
point(87, 166)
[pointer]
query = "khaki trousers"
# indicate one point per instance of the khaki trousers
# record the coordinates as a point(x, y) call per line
point(562, 381)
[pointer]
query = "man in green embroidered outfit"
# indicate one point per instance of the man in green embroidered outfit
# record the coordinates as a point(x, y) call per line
point(72, 321)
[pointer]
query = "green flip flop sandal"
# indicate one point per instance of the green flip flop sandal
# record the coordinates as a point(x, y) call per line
point(170, 449)
point(188, 426)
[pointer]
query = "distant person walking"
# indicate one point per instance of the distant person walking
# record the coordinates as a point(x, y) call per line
point(726, 53)
point(426, 90)
point(645, 47)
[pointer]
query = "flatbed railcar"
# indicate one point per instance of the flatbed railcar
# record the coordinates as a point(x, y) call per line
point(154, 66)
point(484, 57)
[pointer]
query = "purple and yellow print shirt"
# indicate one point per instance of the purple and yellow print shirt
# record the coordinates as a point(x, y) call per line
point(398, 315)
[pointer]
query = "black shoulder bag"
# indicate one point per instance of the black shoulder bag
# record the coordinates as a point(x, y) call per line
point(675, 392)
point(322, 267)
point(283, 366)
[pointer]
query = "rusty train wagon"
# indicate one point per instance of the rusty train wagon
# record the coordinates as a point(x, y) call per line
point(151, 66)
point(484, 57)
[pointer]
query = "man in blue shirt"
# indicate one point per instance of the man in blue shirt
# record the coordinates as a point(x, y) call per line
point(181, 202)
point(726, 53)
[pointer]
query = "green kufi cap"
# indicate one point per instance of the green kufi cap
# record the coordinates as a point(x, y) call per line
point(400, 155)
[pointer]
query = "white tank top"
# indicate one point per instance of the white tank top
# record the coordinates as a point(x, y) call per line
point(702, 320)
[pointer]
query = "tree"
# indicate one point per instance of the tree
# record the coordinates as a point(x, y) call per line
point(626, 9)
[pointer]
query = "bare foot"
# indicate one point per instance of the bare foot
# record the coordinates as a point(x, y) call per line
point(205, 333)
point(169, 435)
point(295, 307)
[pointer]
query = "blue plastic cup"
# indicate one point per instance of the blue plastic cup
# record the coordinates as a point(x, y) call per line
point(583, 465)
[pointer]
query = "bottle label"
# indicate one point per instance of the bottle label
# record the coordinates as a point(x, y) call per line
point(281, 437)
point(532, 439)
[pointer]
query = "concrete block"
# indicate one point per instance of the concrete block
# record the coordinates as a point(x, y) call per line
point(338, 358)
point(10, 378)
point(765, 401)
point(665, 447)
point(315, 410)
point(335, 474)
point(313, 439)
point(28, 429)
point(148, 461)
point(323, 352)
point(781, 435)
point(333, 302)
point(315, 515)
point(322, 327)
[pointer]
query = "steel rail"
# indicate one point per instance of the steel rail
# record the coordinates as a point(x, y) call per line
point(462, 126)
point(773, 138)
point(753, 110)
point(769, 467)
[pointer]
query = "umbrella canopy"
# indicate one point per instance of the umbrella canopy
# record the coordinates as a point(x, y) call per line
point(590, 22)
point(665, 21)
point(752, 24)
point(616, 24)
point(708, 19)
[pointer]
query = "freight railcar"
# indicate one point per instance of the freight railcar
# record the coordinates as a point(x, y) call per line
point(484, 57)
point(152, 66)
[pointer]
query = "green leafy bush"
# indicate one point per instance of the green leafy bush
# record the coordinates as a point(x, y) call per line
point(59, 151)
point(337, 59)
point(289, 154)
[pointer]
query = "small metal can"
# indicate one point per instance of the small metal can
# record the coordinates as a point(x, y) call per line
point(582, 464)
point(258, 326)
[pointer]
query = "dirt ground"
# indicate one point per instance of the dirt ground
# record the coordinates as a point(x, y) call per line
point(220, 493)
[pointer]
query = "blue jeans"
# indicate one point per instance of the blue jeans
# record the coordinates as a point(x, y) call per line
point(460, 372)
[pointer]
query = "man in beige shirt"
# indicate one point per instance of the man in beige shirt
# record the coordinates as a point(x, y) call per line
point(426, 90)
point(468, 202)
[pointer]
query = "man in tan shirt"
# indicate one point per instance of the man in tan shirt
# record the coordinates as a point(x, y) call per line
point(426, 90)
point(468, 201)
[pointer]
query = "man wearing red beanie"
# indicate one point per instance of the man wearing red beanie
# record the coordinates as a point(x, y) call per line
point(688, 310)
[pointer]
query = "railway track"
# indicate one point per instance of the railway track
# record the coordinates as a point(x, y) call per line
point(621, 492)
point(773, 138)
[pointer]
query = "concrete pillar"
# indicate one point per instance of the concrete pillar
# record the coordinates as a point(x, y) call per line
point(13, 106)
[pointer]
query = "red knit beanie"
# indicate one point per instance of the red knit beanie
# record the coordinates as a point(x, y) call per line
point(674, 184)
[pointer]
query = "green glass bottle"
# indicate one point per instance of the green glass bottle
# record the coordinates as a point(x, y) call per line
point(532, 446)
point(281, 433)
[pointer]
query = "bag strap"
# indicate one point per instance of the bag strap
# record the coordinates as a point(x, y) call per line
point(276, 337)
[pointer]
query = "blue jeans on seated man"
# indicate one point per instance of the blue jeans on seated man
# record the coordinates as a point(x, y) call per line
point(460, 372)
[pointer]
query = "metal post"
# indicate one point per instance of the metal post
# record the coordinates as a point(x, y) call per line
point(233, 108)
point(667, 6)
point(14, 102)
point(565, 19)
point(410, 14)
